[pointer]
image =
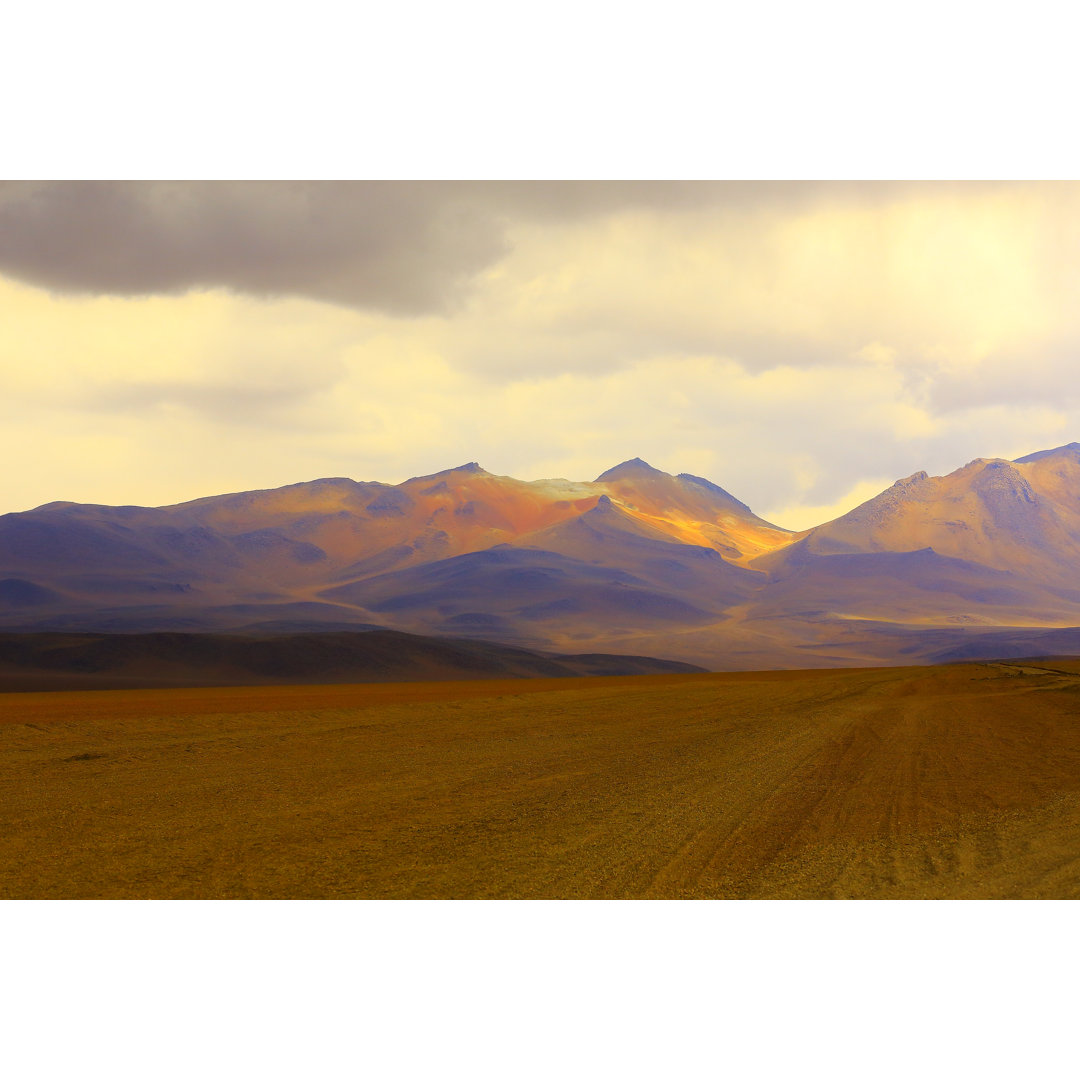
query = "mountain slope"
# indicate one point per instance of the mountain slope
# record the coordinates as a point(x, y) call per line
point(604, 576)
point(211, 562)
point(1021, 516)
point(991, 545)
point(691, 510)
point(637, 561)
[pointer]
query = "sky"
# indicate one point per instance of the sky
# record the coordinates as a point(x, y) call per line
point(801, 344)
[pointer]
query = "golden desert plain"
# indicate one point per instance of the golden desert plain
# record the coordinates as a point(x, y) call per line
point(949, 781)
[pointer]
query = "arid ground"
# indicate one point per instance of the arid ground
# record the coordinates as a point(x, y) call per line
point(953, 781)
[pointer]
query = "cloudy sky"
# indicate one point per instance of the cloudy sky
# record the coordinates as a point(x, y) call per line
point(803, 345)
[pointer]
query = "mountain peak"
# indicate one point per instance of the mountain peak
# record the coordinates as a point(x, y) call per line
point(633, 467)
point(1071, 449)
point(471, 467)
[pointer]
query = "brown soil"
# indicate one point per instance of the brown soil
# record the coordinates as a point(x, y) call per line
point(906, 782)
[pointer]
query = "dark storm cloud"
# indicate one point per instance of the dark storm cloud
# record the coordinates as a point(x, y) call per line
point(404, 248)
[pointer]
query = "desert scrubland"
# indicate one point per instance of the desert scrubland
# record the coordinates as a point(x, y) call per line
point(950, 781)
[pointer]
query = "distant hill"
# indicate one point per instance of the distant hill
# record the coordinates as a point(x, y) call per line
point(636, 562)
point(50, 661)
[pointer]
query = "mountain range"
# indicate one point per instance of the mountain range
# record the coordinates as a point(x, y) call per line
point(984, 561)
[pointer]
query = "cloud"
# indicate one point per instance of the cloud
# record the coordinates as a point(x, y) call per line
point(405, 248)
point(357, 399)
point(210, 351)
point(931, 275)
point(401, 248)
